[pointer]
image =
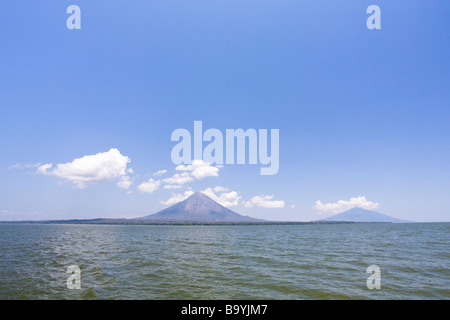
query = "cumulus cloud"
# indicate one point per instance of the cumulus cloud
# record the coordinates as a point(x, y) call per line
point(124, 182)
point(177, 198)
point(179, 179)
point(175, 186)
point(223, 196)
point(101, 167)
point(264, 202)
point(199, 169)
point(159, 172)
point(150, 186)
point(43, 169)
point(343, 205)
point(220, 189)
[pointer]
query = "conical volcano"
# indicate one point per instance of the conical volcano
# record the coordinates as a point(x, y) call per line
point(198, 208)
point(362, 215)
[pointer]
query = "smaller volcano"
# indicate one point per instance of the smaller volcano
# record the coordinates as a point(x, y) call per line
point(198, 208)
point(362, 215)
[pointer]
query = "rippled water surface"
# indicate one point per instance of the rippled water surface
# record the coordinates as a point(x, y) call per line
point(318, 261)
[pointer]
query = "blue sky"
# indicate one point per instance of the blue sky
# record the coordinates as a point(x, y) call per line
point(363, 114)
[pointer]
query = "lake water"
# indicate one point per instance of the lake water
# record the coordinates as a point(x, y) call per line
point(320, 261)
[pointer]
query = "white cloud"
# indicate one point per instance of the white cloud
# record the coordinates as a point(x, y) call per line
point(124, 182)
point(159, 172)
point(24, 166)
point(44, 168)
point(150, 186)
point(199, 169)
point(205, 171)
point(221, 196)
point(343, 205)
point(101, 167)
point(169, 186)
point(179, 179)
point(177, 198)
point(220, 189)
point(264, 202)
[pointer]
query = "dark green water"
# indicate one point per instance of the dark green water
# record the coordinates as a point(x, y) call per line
point(225, 262)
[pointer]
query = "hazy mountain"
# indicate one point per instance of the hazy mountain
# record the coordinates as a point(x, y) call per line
point(198, 208)
point(362, 215)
